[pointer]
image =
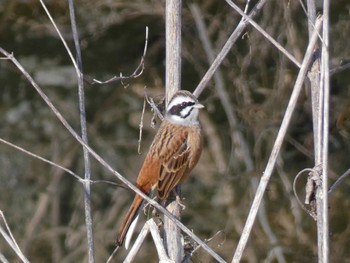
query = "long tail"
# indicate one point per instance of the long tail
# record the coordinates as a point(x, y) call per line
point(130, 217)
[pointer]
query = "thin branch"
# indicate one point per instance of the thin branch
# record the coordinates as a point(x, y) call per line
point(339, 181)
point(7, 234)
point(42, 159)
point(155, 108)
point(61, 37)
point(264, 33)
point(150, 226)
point(103, 162)
point(276, 249)
point(141, 126)
point(3, 259)
point(80, 180)
point(84, 136)
point(339, 69)
point(277, 146)
point(137, 72)
point(226, 48)
point(188, 257)
point(246, 6)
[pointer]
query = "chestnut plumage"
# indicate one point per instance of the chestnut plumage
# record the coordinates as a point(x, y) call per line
point(174, 152)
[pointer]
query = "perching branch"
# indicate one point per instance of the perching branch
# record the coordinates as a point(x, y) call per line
point(149, 227)
point(173, 10)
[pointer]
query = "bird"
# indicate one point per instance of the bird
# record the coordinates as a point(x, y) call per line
point(174, 152)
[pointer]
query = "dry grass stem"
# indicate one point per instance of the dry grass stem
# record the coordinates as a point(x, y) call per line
point(276, 147)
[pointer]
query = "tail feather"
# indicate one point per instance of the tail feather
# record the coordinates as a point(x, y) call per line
point(130, 232)
point(130, 217)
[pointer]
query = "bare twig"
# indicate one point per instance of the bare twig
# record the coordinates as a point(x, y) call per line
point(156, 109)
point(84, 136)
point(3, 259)
point(7, 234)
point(150, 226)
point(188, 257)
point(110, 258)
point(80, 180)
point(226, 48)
point(276, 250)
point(277, 146)
point(141, 127)
point(339, 69)
point(61, 37)
point(339, 181)
point(137, 72)
point(41, 159)
point(102, 161)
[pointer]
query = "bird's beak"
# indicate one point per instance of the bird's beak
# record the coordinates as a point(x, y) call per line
point(198, 106)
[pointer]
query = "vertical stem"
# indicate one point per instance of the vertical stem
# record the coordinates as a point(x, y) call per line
point(311, 13)
point(317, 113)
point(276, 148)
point(319, 81)
point(172, 233)
point(173, 47)
point(87, 164)
point(324, 235)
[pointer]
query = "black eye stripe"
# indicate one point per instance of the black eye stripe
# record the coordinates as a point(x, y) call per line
point(176, 109)
point(185, 104)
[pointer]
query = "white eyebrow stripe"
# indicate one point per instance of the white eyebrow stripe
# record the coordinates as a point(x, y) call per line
point(179, 100)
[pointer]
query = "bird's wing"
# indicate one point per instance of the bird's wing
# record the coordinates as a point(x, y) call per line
point(174, 164)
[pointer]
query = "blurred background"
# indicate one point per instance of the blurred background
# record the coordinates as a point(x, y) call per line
point(44, 206)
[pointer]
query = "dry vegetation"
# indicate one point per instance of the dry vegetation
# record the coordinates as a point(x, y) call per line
point(44, 205)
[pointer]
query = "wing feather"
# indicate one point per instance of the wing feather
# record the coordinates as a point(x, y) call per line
point(174, 164)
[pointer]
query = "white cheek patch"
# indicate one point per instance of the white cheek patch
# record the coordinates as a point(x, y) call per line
point(191, 119)
point(185, 112)
point(176, 119)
